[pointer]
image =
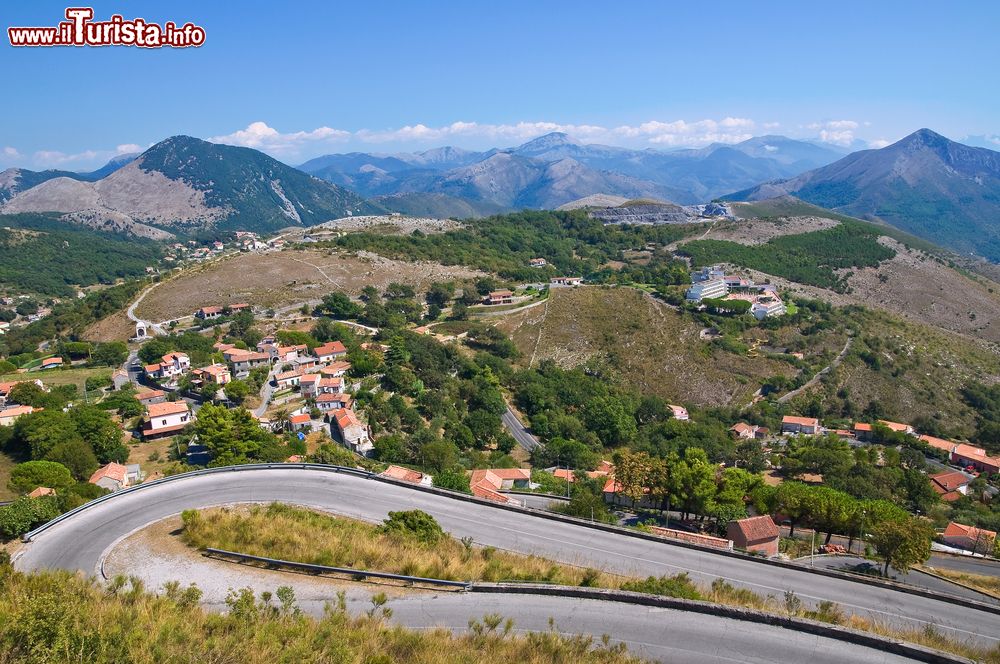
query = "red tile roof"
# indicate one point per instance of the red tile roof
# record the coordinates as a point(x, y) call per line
point(404, 474)
point(962, 530)
point(114, 471)
point(895, 426)
point(802, 421)
point(950, 480)
point(757, 528)
point(166, 408)
point(346, 418)
point(862, 426)
point(939, 443)
point(17, 411)
point(330, 348)
point(301, 418)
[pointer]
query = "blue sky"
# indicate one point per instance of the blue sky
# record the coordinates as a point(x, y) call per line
point(307, 78)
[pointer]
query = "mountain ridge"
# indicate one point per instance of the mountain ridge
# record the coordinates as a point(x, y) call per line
point(924, 184)
point(183, 184)
point(683, 176)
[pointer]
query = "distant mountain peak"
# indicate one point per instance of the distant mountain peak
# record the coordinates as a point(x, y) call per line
point(924, 184)
point(548, 141)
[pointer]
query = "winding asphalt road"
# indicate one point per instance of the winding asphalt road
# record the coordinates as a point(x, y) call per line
point(519, 431)
point(81, 541)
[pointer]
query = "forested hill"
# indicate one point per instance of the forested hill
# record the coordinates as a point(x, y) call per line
point(40, 254)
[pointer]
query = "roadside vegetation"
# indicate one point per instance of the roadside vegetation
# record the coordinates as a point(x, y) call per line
point(413, 543)
point(410, 543)
point(58, 617)
point(987, 584)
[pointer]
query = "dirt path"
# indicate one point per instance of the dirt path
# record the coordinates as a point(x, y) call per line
point(819, 374)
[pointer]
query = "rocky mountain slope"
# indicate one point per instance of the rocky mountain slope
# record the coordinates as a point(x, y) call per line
point(183, 184)
point(16, 180)
point(924, 184)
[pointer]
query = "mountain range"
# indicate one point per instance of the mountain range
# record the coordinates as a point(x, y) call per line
point(186, 185)
point(555, 169)
point(924, 184)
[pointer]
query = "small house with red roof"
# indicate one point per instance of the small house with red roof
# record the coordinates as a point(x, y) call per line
point(970, 538)
point(950, 485)
point(406, 475)
point(330, 351)
point(799, 425)
point(757, 534)
point(112, 477)
point(352, 432)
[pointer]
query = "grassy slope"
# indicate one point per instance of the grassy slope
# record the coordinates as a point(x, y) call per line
point(789, 206)
point(920, 371)
point(652, 347)
point(55, 377)
point(292, 533)
point(6, 465)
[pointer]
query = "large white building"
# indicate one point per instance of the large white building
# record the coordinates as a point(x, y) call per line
point(767, 306)
point(712, 288)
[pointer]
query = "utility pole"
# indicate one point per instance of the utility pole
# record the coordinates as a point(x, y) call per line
point(812, 549)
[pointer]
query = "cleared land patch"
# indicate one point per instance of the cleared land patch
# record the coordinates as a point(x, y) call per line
point(650, 345)
point(286, 278)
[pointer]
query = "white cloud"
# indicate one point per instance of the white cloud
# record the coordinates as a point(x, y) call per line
point(51, 158)
point(11, 152)
point(128, 148)
point(838, 132)
point(682, 133)
point(878, 143)
point(676, 133)
point(260, 136)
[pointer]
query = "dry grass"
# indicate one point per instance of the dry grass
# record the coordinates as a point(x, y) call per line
point(116, 327)
point(921, 372)
point(985, 583)
point(654, 348)
point(6, 465)
point(60, 617)
point(759, 231)
point(285, 279)
point(56, 377)
point(292, 533)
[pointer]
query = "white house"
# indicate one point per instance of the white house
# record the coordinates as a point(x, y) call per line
point(170, 366)
point(332, 401)
point(165, 419)
point(352, 432)
point(309, 385)
point(330, 351)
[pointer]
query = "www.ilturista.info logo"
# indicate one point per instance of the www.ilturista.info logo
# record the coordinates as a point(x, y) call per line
point(81, 30)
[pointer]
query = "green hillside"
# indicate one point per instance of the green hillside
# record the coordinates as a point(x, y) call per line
point(260, 191)
point(40, 254)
